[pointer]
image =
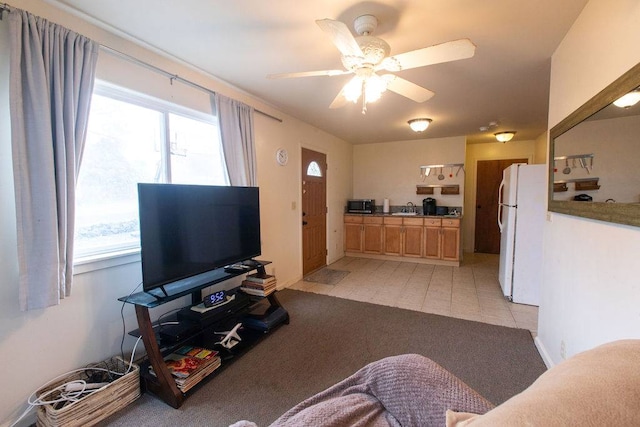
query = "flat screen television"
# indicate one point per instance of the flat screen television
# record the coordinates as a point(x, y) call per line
point(189, 230)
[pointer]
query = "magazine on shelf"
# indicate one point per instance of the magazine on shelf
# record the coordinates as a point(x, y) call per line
point(189, 364)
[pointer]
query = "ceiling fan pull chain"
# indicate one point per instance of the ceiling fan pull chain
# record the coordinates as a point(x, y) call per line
point(364, 98)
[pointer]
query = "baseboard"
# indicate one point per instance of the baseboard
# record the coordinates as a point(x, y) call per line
point(543, 352)
point(415, 260)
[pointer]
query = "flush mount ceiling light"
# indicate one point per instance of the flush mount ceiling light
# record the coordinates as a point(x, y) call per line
point(628, 100)
point(505, 136)
point(419, 125)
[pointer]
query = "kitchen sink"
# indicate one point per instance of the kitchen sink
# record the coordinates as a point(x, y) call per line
point(405, 213)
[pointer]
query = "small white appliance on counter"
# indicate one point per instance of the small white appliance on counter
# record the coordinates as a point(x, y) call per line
point(521, 215)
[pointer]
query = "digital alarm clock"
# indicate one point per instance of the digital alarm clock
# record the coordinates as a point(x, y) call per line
point(215, 298)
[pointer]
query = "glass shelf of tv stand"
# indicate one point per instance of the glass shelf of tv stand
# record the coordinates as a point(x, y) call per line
point(185, 287)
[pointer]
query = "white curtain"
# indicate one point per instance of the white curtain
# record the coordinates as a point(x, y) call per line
point(236, 132)
point(52, 72)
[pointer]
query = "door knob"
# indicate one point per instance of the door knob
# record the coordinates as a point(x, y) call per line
point(304, 222)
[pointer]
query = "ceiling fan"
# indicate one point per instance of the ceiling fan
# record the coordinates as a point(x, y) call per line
point(366, 55)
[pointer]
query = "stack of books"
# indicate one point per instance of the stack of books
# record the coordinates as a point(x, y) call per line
point(188, 365)
point(258, 284)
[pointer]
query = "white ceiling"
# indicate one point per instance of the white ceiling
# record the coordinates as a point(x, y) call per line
point(242, 41)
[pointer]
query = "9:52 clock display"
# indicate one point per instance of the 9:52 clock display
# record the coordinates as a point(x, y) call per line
point(215, 298)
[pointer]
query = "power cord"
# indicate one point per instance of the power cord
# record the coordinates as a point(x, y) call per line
point(124, 326)
point(72, 391)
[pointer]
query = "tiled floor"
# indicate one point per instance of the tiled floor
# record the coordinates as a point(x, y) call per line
point(470, 291)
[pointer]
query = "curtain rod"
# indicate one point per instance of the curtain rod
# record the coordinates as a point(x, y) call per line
point(172, 77)
point(4, 7)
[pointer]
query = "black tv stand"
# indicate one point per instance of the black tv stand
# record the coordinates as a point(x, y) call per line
point(163, 384)
point(245, 266)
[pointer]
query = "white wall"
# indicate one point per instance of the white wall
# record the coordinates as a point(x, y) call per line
point(392, 170)
point(590, 292)
point(87, 327)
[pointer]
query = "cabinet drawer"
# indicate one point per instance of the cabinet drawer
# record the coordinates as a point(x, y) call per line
point(433, 222)
point(449, 222)
point(393, 221)
point(412, 221)
point(352, 219)
point(372, 220)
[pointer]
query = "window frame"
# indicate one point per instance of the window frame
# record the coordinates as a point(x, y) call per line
point(128, 255)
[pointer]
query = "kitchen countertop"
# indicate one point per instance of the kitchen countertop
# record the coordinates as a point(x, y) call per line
point(404, 216)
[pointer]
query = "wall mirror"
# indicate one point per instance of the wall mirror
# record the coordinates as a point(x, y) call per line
point(594, 155)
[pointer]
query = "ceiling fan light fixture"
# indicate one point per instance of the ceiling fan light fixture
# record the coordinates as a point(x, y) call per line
point(374, 87)
point(628, 100)
point(505, 136)
point(419, 125)
point(353, 89)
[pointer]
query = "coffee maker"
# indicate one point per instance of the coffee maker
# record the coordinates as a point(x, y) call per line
point(429, 206)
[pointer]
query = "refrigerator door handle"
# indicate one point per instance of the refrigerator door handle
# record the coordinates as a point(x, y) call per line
point(500, 225)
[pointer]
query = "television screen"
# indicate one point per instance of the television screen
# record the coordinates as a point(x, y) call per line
point(186, 230)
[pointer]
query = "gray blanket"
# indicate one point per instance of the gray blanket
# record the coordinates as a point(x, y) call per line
point(406, 390)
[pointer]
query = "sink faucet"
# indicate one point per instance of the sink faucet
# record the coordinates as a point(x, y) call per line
point(411, 207)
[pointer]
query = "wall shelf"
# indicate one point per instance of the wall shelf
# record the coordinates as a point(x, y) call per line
point(444, 189)
point(581, 184)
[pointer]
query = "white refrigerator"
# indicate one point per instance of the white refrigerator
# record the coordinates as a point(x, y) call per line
point(521, 216)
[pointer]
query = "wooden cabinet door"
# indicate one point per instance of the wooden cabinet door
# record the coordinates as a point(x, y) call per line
point(412, 237)
point(451, 239)
point(432, 242)
point(392, 239)
point(412, 244)
point(432, 238)
point(373, 234)
point(352, 233)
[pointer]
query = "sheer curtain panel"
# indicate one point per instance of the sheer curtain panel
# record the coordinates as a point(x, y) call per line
point(236, 133)
point(52, 72)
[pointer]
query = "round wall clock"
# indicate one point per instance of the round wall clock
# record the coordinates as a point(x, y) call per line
point(282, 157)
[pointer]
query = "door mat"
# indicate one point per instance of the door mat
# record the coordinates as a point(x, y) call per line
point(326, 276)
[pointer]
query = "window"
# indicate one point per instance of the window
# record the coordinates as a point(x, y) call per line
point(132, 138)
point(314, 169)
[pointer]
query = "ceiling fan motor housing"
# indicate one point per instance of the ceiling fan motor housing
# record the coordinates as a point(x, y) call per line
point(365, 24)
point(373, 49)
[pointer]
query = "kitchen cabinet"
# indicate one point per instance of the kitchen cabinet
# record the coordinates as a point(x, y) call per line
point(433, 238)
point(412, 237)
point(353, 233)
point(442, 239)
point(403, 236)
point(363, 234)
point(393, 236)
point(372, 234)
point(424, 239)
point(451, 239)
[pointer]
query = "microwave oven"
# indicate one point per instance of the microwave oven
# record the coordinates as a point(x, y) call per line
point(363, 206)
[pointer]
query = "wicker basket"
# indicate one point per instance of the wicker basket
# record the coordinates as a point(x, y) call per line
point(96, 406)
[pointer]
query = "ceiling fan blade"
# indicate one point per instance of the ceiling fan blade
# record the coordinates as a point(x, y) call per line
point(339, 101)
point(436, 54)
point(308, 74)
point(340, 36)
point(407, 89)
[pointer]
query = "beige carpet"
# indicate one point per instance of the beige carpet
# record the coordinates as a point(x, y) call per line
point(330, 338)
